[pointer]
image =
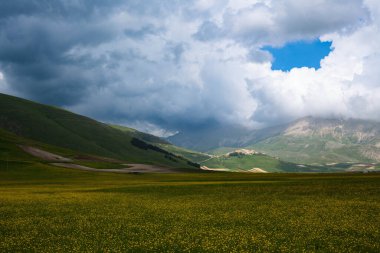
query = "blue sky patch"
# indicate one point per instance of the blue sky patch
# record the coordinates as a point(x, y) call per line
point(299, 54)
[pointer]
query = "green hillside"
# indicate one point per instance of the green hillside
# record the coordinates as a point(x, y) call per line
point(9, 151)
point(262, 162)
point(312, 149)
point(186, 153)
point(313, 140)
point(60, 128)
point(307, 140)
point(140, 135)
point(13, 160)
point(244, 163)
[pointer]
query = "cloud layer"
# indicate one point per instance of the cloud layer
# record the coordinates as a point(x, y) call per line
point(176, 65)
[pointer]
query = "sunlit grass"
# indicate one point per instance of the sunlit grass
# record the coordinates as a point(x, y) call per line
point(60, 210)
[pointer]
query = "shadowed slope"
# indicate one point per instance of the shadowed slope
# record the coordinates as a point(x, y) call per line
point(61, 128)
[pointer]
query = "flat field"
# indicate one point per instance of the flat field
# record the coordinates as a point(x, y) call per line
point(48, 209)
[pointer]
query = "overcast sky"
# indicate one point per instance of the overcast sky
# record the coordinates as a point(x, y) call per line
point(168, 65)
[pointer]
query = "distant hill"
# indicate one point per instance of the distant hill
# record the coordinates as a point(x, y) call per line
point(307, 140)
point(164, 144)
point(316, 140)
point(141, 135)
point(61, 128)
point(212, 138)
point(256, 162)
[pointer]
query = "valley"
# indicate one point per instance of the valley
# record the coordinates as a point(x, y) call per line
point(52, 132)
point(69, 183)
point(313, 141)
point(189, 126)
point(48, 208)
point(257, 162)
point(308, 145)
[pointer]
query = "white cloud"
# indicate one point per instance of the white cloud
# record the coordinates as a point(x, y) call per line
point(348, 83)
point(3, 85)
point(175, 64)
point(280, 21)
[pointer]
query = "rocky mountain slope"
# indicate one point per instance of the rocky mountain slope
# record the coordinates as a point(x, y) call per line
point(316, 140)
point(307, 140)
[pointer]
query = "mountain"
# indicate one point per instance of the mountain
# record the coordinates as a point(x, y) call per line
point(141, 135)
point(307, 140)
point(60, 129)
point(164, 144)
point(316, 140)
point(33, 134)
point(244, 160)
point(210, 139)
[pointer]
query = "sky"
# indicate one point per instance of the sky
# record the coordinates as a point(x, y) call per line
point(165, 66)
point(299, 54)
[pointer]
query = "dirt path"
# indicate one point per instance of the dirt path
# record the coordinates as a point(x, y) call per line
point(64, 162)
point(44, 154)
point(254, 170)
point(134, 168)
point(214, 169)
point(257, 170)
point(148, 168)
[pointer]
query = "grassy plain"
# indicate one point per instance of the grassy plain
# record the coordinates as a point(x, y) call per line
point(48, 209)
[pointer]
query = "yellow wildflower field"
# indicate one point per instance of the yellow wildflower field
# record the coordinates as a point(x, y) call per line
point(47, 209)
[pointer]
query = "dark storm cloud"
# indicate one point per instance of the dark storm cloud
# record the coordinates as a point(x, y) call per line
point(141, 32)
point(35, 37)
point(288, 20)
point(78, 9)
point(178, 64)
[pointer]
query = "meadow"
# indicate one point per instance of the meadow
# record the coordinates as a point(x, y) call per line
point(243, 163)
point(48, 209)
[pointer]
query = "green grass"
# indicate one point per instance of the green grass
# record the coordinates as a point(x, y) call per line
point(10, 151)
point(101, 165)
point(265, 162)
point(48, 209)
point(140, 135)
point(221, 150)
point(312, 149)
point(186, 153)
point(68, 131)
point(245, 162)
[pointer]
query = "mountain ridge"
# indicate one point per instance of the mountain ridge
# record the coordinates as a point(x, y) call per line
point(306, 140)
